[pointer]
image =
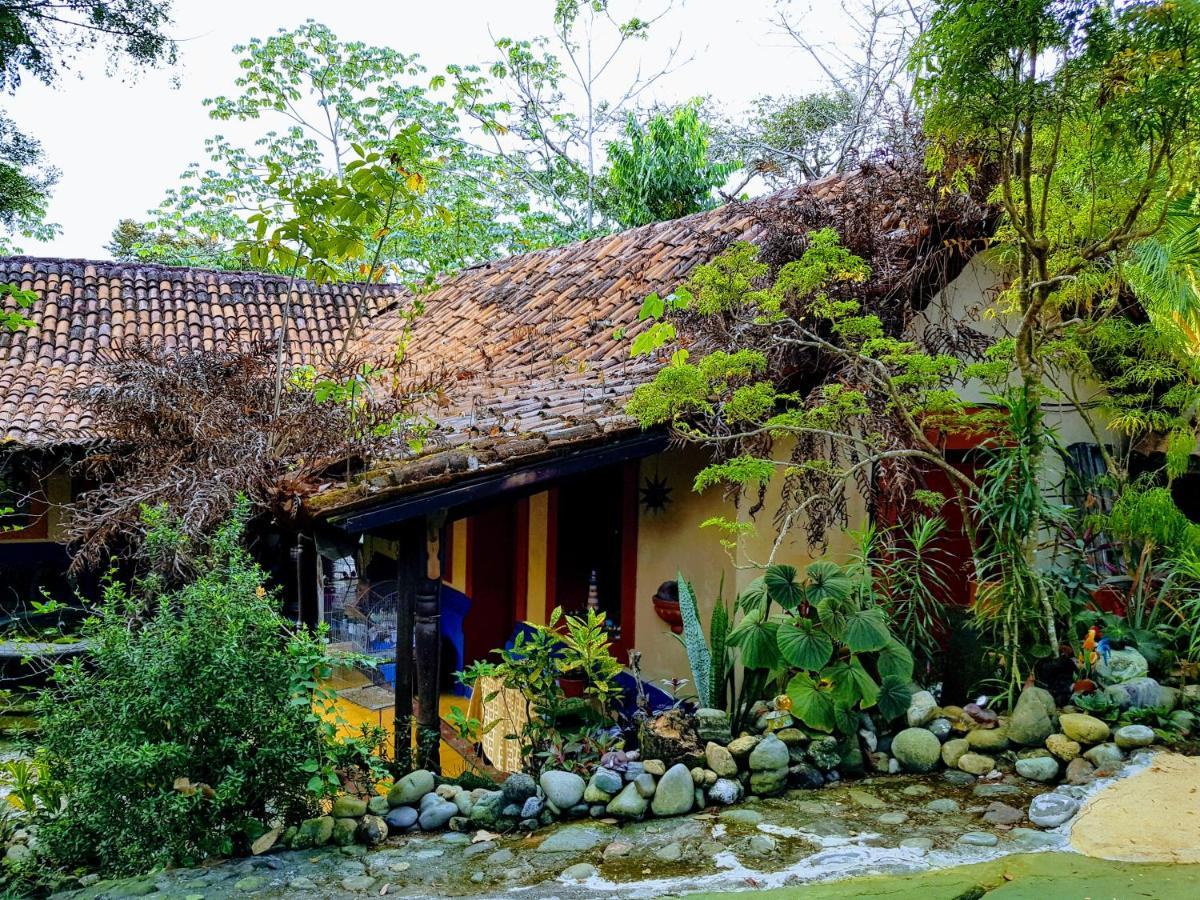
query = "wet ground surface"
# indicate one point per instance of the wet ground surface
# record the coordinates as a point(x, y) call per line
point(897, 825)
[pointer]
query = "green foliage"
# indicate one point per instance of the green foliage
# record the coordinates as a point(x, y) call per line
point(661, 170)
point(565, 647)
point(699, 656)
point(730, 398)
point(830, 642)
point(193, 712)
point(43, 41)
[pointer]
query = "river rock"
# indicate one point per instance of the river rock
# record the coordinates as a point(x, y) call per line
point(644, 784)
point(579, 872)
point(943, 805)
point(1121, 665)
point(1063, 747)
point(347, 807)
point(921, 709)
point(1079, 771)
point(1038, 768)
point(1129, 737)
point(655, 767)
point(314, 833)
point(979, 839)
point(823, 752)
point(720, 760)
point(725, 792)
point(770, 755)
point(940, 728)
point(486, 811)
point(436, 815)
point(998, 813)
point(563, 789)
point(1140, 693)
point(953, 750)
point(768, 782)
point(976, 763)
point(803, 775)
point(518, 787)
point(401, 818)
point(793, 737)
point(1104, 756)
point(411, 788)
point(575, 839)
point(917, 750)
point(741, 747)
point(675, 792)
point(713, 725)
point(1083, 728)
point(1031, 723)
point(372, 830)
point(628, 804)
point(989, 740)
point(343, 831)
point(1051, 810)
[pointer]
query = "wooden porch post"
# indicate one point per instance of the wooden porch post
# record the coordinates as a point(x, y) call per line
point(410, 566)
point(428, 650)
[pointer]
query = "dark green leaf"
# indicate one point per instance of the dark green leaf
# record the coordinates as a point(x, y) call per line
point(894, 697)
point(865, 630)
point(782, 587)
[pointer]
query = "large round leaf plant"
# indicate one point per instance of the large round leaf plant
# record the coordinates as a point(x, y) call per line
point(827, 637)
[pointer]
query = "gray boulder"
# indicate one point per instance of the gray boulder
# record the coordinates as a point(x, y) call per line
point(917, 750)
point(675, 792)
point(1104, 755)
point(1051, 810)
point(401, 818)
point(563, 789)
point(1130, 737)
point(921, 709)
point(411, 788)
point(725, 792)
point(1038, 768)
point(1031, 723)
point(628, 804)
point(1142, 693)
point(518, 787)
point(1122, 665)
point(437, 815)
point(720, 760)
point(770, 755)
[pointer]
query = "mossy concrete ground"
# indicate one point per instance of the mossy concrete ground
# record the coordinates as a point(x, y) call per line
point(1032, 876)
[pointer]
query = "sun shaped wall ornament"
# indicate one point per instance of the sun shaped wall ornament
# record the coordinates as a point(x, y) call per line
point(655, 494)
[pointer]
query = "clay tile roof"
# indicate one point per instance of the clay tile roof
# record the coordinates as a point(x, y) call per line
point(85, 307)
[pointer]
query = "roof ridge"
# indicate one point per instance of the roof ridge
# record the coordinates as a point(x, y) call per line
point(132, 266)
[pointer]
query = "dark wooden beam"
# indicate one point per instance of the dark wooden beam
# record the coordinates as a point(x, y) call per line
point(520, 481)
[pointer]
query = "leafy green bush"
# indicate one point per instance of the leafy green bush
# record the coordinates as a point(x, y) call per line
point(831, 637)
point(560, 730)
point(191, 722)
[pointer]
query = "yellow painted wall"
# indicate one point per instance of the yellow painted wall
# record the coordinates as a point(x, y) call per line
point(673, 542)
point(457, 576)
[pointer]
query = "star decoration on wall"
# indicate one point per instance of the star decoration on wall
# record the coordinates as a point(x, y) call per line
point(655, 494)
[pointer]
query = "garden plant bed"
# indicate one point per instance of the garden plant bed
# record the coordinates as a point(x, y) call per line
point(899, 825)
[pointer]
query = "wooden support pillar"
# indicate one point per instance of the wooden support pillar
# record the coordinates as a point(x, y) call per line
point(418, 645)
point(428, 650)
point(410, 565)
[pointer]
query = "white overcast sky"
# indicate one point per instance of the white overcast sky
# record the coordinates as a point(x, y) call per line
point(120, 142)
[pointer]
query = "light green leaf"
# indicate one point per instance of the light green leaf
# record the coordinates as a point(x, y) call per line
point(812, 705)
point(756, 639)
point(865, 630)
point(895, 661)
point(803, 645)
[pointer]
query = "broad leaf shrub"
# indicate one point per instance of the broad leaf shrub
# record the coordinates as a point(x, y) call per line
point(190, 724)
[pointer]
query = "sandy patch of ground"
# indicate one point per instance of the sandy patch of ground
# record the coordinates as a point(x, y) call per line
point(1153, 816)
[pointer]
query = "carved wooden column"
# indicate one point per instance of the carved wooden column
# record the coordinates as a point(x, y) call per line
point(410, 573)
point(428, 650)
